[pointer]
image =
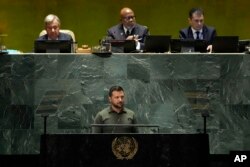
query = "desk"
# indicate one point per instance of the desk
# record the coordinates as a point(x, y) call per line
point(171, 90)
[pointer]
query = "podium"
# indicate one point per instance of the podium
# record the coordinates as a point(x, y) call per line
point(126, 128)
point(123, 150)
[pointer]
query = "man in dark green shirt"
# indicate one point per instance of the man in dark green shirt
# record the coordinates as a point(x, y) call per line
point(115, 118)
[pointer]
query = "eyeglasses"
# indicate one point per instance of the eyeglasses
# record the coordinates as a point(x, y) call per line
point(129, 17)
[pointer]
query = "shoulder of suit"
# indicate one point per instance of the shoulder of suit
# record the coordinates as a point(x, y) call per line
point(117, 26)
point(208, 27)
point(141, 26)
point(64, 35)
point(185, 29)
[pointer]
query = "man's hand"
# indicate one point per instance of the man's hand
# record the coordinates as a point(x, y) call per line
point(210, 48)
point(132, 37)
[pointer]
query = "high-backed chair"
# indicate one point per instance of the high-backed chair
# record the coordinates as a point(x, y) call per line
point(71, 33)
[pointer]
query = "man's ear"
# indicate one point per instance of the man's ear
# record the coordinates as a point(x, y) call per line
point(109, 99)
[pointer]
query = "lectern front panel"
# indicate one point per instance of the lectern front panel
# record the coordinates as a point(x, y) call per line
point(123, 150)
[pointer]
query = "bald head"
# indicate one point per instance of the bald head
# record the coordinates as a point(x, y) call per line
point(125, 11)
point(127, 17)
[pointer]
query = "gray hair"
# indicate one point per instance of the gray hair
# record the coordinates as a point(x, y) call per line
point(50, 18)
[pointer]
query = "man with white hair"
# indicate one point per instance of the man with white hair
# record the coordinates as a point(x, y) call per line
point(52, 27)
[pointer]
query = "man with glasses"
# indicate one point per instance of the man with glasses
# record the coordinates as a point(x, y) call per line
point(128, 29)
point(197, 29)
point(52, 27)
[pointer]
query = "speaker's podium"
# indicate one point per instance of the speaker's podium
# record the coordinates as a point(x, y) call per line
point(124, 150)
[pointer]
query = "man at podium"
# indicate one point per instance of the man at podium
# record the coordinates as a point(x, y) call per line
point(115, 118)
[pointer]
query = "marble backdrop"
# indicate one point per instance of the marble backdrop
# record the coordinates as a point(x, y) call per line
point(174, 91)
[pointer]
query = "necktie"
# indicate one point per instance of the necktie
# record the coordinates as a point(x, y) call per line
point(127, 33)
point(197, 34)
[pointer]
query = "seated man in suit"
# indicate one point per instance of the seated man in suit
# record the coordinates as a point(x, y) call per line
point(52, 27)
point(128, 29)
point(197, 28)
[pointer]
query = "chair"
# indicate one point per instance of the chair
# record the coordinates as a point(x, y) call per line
point(71, 33)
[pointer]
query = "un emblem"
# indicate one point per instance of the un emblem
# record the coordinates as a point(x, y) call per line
point(124, 147)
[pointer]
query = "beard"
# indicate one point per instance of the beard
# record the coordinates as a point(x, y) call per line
point(119, 105)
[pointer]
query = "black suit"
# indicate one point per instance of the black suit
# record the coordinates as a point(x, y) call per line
point(209, 33)
point(117, 32)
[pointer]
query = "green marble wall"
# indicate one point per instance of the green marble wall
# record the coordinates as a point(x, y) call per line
point(22, 20)
point(171, 90)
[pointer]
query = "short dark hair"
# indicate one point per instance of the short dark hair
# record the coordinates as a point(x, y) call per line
point(199, 11)
point(115, 88)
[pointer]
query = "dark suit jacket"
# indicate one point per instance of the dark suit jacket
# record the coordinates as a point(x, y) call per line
point(208, 33)
point(117, 32)
point(62, 36)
